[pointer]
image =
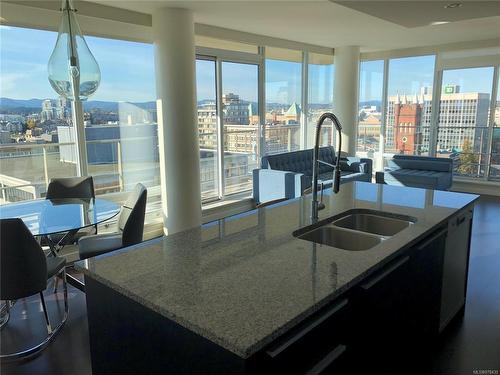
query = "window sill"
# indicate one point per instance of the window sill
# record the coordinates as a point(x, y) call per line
point(476, 186)
point(231, 205)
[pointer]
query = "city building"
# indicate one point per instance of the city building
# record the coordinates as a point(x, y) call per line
point(5, 136)
point(461, 116)
point(207, 125)
point(369, 127)
point(48, 111)
point(236, 111)
point(407, 117)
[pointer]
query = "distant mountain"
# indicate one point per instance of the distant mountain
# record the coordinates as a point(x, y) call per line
point(11, 103)
point(35, 105)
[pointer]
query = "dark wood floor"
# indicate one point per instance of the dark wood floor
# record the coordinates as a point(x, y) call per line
point(468, 345)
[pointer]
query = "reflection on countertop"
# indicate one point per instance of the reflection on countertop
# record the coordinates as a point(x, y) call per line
point(244, 280)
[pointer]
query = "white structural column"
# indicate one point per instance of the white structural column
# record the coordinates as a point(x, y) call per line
point(345, 95)
point(173, 33)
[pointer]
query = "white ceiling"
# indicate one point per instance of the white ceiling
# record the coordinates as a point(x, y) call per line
point(328, 24)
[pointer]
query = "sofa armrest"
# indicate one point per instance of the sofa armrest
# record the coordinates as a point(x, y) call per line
point(368, 169)
point(379, 177)
point(357, 166)
point(270, 184)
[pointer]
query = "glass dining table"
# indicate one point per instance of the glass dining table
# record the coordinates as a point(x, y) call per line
point(60, 218)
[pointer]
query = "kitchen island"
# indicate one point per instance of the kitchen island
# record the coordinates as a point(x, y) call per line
point(245, 295)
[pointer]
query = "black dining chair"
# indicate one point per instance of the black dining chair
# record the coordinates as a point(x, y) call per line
point(24, 272)
point(130, 227)
point(70, 188)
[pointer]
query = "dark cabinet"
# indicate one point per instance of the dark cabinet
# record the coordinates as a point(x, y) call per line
point(315, 346)
point(381, 324)
point(382, 305)
point(397, 308)
point(426, 272)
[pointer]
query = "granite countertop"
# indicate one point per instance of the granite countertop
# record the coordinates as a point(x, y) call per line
point(244, 280)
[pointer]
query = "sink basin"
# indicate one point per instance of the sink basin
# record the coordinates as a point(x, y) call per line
point(342, 239)
point(372, 223)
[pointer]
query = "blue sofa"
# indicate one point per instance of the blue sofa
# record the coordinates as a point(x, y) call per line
point(418, 171)
point(287, 175)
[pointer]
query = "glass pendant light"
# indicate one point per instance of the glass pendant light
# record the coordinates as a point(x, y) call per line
point(73, 70)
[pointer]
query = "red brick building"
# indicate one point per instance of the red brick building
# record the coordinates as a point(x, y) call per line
point(407, 127)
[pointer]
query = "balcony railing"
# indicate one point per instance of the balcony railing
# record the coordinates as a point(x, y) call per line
point(26, 169)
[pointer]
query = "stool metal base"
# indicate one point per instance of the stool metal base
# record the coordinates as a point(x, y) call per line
point(51, 332)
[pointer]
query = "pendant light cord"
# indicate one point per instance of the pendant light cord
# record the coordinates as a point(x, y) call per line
point(72, 57)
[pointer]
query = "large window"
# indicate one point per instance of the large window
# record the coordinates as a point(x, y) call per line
point(241, 124)
point(283, 100)
point(31, 116)
point(371, 81)
point(37, 135)
point(233, 134)
point(320, 97)
point(409, 100)
point(207, 128)
point(120, 120)
point(237, 121)
point(464, 124)
point(464, 116)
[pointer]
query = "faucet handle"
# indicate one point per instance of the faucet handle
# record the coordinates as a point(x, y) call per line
point(321, 205)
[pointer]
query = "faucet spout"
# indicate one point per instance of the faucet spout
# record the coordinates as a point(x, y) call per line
point(316, 205)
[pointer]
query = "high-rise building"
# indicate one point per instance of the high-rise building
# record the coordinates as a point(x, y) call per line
point(407, 120)
point(62, 108)
point(236, 111)
point(461, 116)
point(207, 125)
point(48, 112)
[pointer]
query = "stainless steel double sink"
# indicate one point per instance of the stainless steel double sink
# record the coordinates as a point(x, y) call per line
point(357, 229)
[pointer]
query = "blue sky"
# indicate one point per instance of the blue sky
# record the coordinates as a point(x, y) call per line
point(127, 73)
point(408, 75)
point(127, 68)
point(283, 81)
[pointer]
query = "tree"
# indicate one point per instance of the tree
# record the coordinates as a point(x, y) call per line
point(468, 161)
point(31, 124)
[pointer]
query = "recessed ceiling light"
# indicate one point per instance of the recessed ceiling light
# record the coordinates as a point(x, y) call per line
point(453, 5)
point(439, 23)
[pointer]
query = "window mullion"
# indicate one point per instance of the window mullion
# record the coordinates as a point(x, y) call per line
point(220, 127)
point(262, 103)
point(493, 103)
point(304, 101)
point(383, 123)
point(436, 107)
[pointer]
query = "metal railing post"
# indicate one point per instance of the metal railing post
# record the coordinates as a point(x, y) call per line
point(120, 166)
point(45, 167)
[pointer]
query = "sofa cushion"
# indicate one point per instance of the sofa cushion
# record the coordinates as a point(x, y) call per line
point(421, 163)
point(418, 178)
point(326, 154)
point(301, 161)
point(296, 161)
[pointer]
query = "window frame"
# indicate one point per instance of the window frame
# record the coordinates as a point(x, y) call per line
point(219, 56)
point(468, 63)
point(439, 65)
